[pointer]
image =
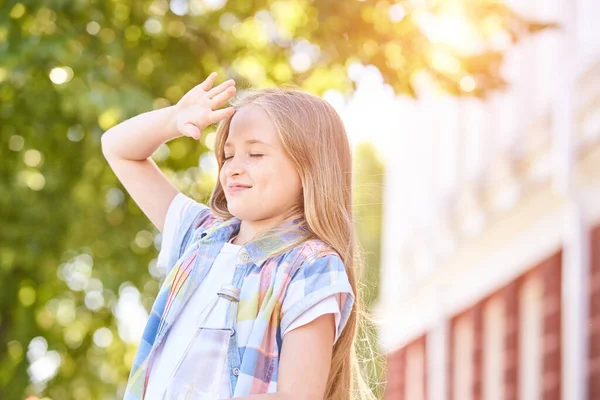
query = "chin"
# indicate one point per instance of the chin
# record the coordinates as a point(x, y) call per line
point(240, 212)
point(246, 214)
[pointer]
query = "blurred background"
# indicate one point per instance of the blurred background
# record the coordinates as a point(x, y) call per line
point(475, 126)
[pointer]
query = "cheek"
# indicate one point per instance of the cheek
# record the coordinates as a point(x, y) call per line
point(292, 177)
point(288, 182)
point(292, 181)
point(278, 179)
point(222, 178)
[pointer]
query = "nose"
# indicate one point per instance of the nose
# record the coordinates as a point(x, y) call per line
point(234, 166)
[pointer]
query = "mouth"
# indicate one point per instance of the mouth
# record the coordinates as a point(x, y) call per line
point(237, 188)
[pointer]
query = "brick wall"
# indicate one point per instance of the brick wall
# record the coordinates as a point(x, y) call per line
point(549, 274)
point(511, 340)
point(594, 317)
point(450, 361)
point(396, 373)
point(477, 318)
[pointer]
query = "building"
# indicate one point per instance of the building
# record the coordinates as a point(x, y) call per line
point(491, 238)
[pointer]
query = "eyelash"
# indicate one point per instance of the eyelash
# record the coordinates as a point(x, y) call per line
point(251, 155)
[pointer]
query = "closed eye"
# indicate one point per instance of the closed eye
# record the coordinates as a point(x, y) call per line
point(251, 155)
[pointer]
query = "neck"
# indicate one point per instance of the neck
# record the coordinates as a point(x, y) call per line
point(249, 229)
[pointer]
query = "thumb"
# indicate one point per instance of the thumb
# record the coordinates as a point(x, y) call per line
point(191, 130)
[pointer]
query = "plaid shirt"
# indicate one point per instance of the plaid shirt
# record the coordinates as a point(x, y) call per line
point(275, 290)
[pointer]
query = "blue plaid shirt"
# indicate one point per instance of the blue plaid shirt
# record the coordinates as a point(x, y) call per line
point(280, 278)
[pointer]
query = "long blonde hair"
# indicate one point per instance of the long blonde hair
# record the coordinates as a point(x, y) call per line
point(314, 137)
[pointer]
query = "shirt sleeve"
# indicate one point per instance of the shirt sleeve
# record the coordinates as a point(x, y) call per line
point(311, 290)
point(184, 216)
point(326, 306)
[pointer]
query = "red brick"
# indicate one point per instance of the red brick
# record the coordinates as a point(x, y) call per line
point(477, 316)
point(396, 371)
point(451, 372)
point(595, 303)
point(396, 375)
point(551, 343)
point(595, 344)
point(511, 341)
point(550, 271)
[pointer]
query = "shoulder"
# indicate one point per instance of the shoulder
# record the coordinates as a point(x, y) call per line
point(314, 254)
point(196, 214)
point(308, 254)
point(186, 220)
point(195, 217)
point(317, 274)
point(204, 220)
point(308, 251)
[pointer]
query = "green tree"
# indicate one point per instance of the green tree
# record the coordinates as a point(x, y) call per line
point(368, 207)
point(72, 242)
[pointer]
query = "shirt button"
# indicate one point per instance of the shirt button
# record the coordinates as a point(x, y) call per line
point(236, 371)
point(245, 257)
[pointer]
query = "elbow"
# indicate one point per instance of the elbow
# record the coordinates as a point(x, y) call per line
point(106, 144)
point(105, 138)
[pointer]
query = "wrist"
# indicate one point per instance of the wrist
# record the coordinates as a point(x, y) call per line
point(171, 115)
point(170, 124)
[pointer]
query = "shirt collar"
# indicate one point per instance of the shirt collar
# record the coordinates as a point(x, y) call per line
point(261, 248)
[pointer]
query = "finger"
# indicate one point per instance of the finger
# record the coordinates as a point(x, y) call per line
point(208, 82)
point(191, 130)
point(222, 98)
point(221, 88)
point(221, 114)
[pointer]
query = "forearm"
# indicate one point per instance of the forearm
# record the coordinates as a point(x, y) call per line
point(138, 137)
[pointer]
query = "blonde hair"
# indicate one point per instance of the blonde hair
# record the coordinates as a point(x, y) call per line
point(314, 138)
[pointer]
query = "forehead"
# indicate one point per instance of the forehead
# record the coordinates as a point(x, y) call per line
point(249, 124)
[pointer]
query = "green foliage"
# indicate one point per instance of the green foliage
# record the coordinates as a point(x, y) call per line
point(71, 240)
point(368, 207)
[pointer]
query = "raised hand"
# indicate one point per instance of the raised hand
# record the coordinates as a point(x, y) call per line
point(200, 107)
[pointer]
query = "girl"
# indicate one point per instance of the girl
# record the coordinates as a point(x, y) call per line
point(260, 297)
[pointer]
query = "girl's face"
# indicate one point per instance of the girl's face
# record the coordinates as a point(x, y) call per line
point(259, 180)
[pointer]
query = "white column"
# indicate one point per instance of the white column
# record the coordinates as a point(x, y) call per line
point(437, 346)
point(531, 336)
point(575, 261)
point(494, 337)
point(575, 303)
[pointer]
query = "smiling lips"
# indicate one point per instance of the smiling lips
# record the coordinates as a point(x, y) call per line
point(237, 188)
